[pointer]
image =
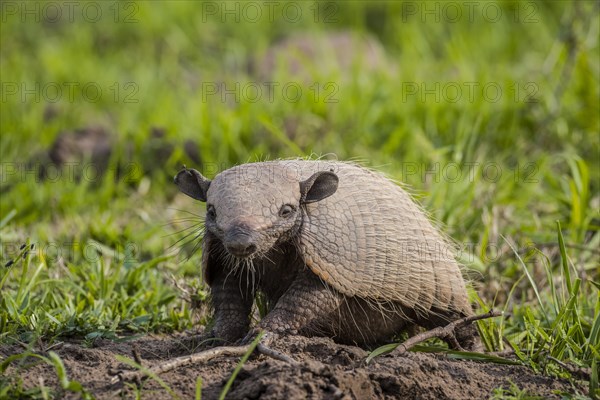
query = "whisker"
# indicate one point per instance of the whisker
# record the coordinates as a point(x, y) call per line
point(185, 211)
point(196, 246)
point(198, 233)
point(179, 220)
point(195, 226)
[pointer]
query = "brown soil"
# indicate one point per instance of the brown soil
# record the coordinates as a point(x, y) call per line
point(326, 371)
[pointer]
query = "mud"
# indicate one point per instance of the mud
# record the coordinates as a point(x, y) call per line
point(326, 371)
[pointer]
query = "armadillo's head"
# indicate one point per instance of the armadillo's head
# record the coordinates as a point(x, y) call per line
point(252, 207)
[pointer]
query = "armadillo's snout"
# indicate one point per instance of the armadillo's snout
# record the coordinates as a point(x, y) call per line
point(240, 244)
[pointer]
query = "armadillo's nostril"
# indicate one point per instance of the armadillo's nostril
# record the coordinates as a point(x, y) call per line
point(240, 246)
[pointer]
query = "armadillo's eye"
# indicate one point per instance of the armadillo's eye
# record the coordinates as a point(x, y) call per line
point(286, 211)
point(210, 212)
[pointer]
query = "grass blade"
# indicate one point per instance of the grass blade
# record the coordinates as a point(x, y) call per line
point(563, 257)
point(150, 374)
point(381, 350)
point(239, 366)
point(529, 277)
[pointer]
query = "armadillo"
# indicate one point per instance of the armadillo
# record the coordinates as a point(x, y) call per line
point(336, 249)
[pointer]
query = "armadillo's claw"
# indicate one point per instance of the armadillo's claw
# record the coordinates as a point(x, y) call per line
point(201, 341)
point(249, 338)
point(263, 345)
point(266, 339)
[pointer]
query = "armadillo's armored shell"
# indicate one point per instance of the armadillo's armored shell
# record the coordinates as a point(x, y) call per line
point(371, 240)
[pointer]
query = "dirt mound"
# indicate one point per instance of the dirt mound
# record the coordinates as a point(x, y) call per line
point(326, 370)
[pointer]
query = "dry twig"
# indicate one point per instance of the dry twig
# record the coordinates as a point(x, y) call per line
point(203, 356)
point(444, 332)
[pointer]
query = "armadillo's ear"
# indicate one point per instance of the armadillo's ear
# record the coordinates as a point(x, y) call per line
point(319, 186)
point(192, 183)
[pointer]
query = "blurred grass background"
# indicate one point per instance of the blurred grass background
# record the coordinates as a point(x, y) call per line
point(489, 111)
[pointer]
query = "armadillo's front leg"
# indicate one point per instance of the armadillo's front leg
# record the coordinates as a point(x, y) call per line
point(232, 303)
point(302, 309)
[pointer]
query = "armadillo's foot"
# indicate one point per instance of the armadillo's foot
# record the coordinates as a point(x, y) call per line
point(195, 343)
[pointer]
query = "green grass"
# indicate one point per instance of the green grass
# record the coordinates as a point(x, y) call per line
point(15, 390)
point(513, 393)
point(102, 265)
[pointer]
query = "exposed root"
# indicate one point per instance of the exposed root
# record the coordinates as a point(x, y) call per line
point(446, 333)
point(203, 356)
